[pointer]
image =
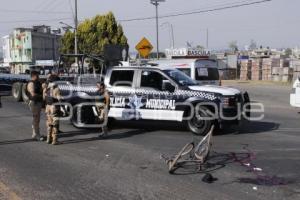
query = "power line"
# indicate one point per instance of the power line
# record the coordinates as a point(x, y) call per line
point(223, 3)
point(71, 8)
point(34, 20)
point(54, 5)
point(34, 11)
point(196, 12)
point(48, 4)
point(40, 5)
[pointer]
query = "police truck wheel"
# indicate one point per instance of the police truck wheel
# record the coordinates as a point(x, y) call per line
point(24, 95)
point(17, 91)
point(200, 126)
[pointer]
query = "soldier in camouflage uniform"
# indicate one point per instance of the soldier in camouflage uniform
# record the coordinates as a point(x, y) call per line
point(52, 96)
point(103, 109)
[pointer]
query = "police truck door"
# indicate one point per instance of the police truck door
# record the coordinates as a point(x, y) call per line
point(157, 97)
point(121, 87)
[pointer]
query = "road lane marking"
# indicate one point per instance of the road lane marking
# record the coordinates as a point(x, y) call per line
point(8, 193)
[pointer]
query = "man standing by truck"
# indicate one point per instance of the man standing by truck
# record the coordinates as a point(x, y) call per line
point(35, 94)
point(104, 99)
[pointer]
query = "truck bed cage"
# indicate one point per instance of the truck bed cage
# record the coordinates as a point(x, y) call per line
point(80, 60)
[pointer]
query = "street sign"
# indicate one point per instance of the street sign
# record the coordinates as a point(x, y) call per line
point(144, 47)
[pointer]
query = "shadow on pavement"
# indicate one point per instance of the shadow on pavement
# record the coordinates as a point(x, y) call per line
point(150, 125)
point(127, 134)
point(216, 161)
point(252, 127)
point(245, 128)
point(77, 133)
point(258, 127)
point(109, 137)
point(143, 127)
point(219, 161)
point(74, 141)
point(17, 141)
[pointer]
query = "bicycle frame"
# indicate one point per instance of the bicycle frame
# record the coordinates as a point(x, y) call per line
point(197, 154)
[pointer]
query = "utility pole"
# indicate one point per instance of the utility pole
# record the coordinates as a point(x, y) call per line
point(207, 38)
point(156, 3)
point(157, 32)
point(172, 33)
point(75, 28)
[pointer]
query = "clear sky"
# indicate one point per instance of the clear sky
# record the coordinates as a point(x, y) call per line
point(275, 23)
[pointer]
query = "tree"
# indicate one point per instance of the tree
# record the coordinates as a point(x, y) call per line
point(67, 43)
point(252, 45)
point(288, 52)
point(200, 47)
point(233, 46)
point(93, 34)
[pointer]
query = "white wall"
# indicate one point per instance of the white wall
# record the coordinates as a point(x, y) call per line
point(6, 49)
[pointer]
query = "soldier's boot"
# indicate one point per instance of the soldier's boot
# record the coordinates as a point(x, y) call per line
point(104, 132)
point(54, 140)
point(49, 138)
point(54, 136)
point(49, 135)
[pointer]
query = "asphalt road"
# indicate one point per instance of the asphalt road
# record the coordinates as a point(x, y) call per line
point(127, 165)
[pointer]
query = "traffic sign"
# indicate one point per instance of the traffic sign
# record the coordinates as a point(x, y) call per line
point(144, 47)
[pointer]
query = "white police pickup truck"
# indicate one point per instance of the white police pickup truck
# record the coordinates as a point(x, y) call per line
point(164, 93)
point(295, 96)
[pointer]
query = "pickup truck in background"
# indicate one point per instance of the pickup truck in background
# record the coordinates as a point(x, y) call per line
point(204, 71)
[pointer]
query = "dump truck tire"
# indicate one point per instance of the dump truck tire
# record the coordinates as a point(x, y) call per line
point(17, 91)
point(24, 95)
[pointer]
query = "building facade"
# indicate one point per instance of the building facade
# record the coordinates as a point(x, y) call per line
point(28, 45)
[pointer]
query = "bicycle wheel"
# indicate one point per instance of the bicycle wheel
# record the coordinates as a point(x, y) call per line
point(184, 151)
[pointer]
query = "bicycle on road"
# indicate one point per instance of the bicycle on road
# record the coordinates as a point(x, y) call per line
point(191, 153)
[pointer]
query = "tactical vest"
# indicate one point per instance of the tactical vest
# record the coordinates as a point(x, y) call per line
point(102, 99)
point(38, 91)
point(49, 99)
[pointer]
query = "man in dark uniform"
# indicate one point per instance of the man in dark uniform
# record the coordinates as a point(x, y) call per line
point(35, 94)
point(104, 101)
